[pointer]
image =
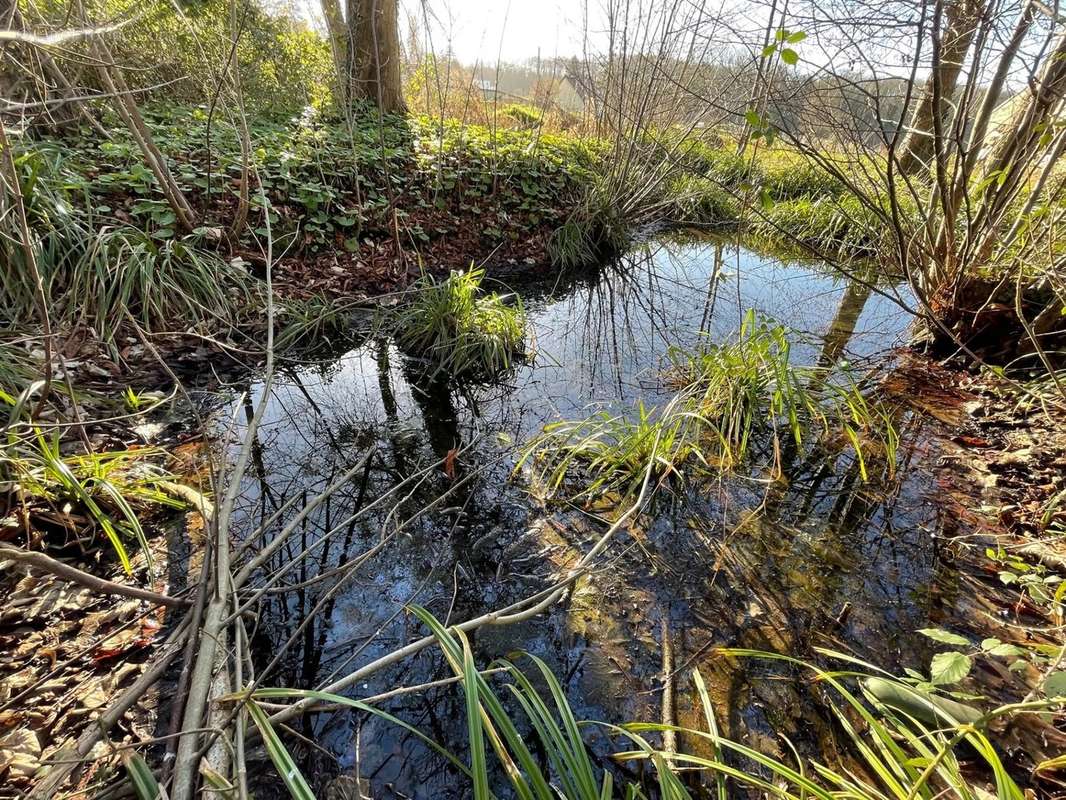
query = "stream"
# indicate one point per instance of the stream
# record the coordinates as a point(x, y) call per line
point(827, 561)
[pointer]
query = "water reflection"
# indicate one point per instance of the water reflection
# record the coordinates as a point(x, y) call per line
point(705, 571)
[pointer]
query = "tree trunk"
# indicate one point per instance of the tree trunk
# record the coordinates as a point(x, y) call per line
point(952, 34)
point(1017, 153)
point(338, 45)
point(373, 54)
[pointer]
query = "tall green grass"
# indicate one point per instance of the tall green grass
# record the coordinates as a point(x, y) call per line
point(459, 329)
point(699, 200)
point(102, 275)
point(124, 272)
point(596, 229)
point(895, 742)
point(732, 401)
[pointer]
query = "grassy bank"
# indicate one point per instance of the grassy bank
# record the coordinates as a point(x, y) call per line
point(356, 208)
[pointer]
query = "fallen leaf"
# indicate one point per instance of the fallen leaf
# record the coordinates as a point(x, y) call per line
point(20, 753)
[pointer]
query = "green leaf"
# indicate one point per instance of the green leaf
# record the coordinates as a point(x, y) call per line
point(769, 50)
point(141, 777)
point(283, 761)
point(478, 763)
point(796, 37)
point(947, 637)
point(1006, 650)
point(1055, 685)
point(752, 117)
point(790, 56)
point(950, 667)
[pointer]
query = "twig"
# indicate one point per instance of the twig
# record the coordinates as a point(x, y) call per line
point(71, 574)
point(516, 612)
point(66, 761)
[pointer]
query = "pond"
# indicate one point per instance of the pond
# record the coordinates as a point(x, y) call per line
point(826, 561)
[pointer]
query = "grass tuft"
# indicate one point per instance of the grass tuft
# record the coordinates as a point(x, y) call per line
point(104, 488)
point(732, 400)
point(124, 272)
point(460, 330)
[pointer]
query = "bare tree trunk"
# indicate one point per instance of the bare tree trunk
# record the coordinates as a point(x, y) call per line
point(975, 141)
point(1017, 152)
point(338, 45)
point(953, 32)
point(374, 54)
point(131, 115)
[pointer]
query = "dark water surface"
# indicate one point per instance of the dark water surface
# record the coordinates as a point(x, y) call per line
point(827, 562)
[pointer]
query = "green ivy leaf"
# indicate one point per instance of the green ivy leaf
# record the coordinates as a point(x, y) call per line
point(950, 667)
point(1055, 685)
point(947, 637)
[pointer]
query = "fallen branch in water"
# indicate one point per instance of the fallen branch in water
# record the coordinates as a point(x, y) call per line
point(210, 670)
point(516, 612)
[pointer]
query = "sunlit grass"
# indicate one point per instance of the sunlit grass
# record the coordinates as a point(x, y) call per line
point(459, 329)
point(106, 488)
point(884, 749)
point(732, 402)
point(125, 273)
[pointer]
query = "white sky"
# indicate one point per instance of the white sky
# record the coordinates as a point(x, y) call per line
point(514, 31)
point(484, 30)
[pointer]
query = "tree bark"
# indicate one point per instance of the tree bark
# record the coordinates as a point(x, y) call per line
point(952, 34)
point(373, 54)
point(338, 45)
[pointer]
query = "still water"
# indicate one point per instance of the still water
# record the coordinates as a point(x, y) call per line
point(826, 562)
